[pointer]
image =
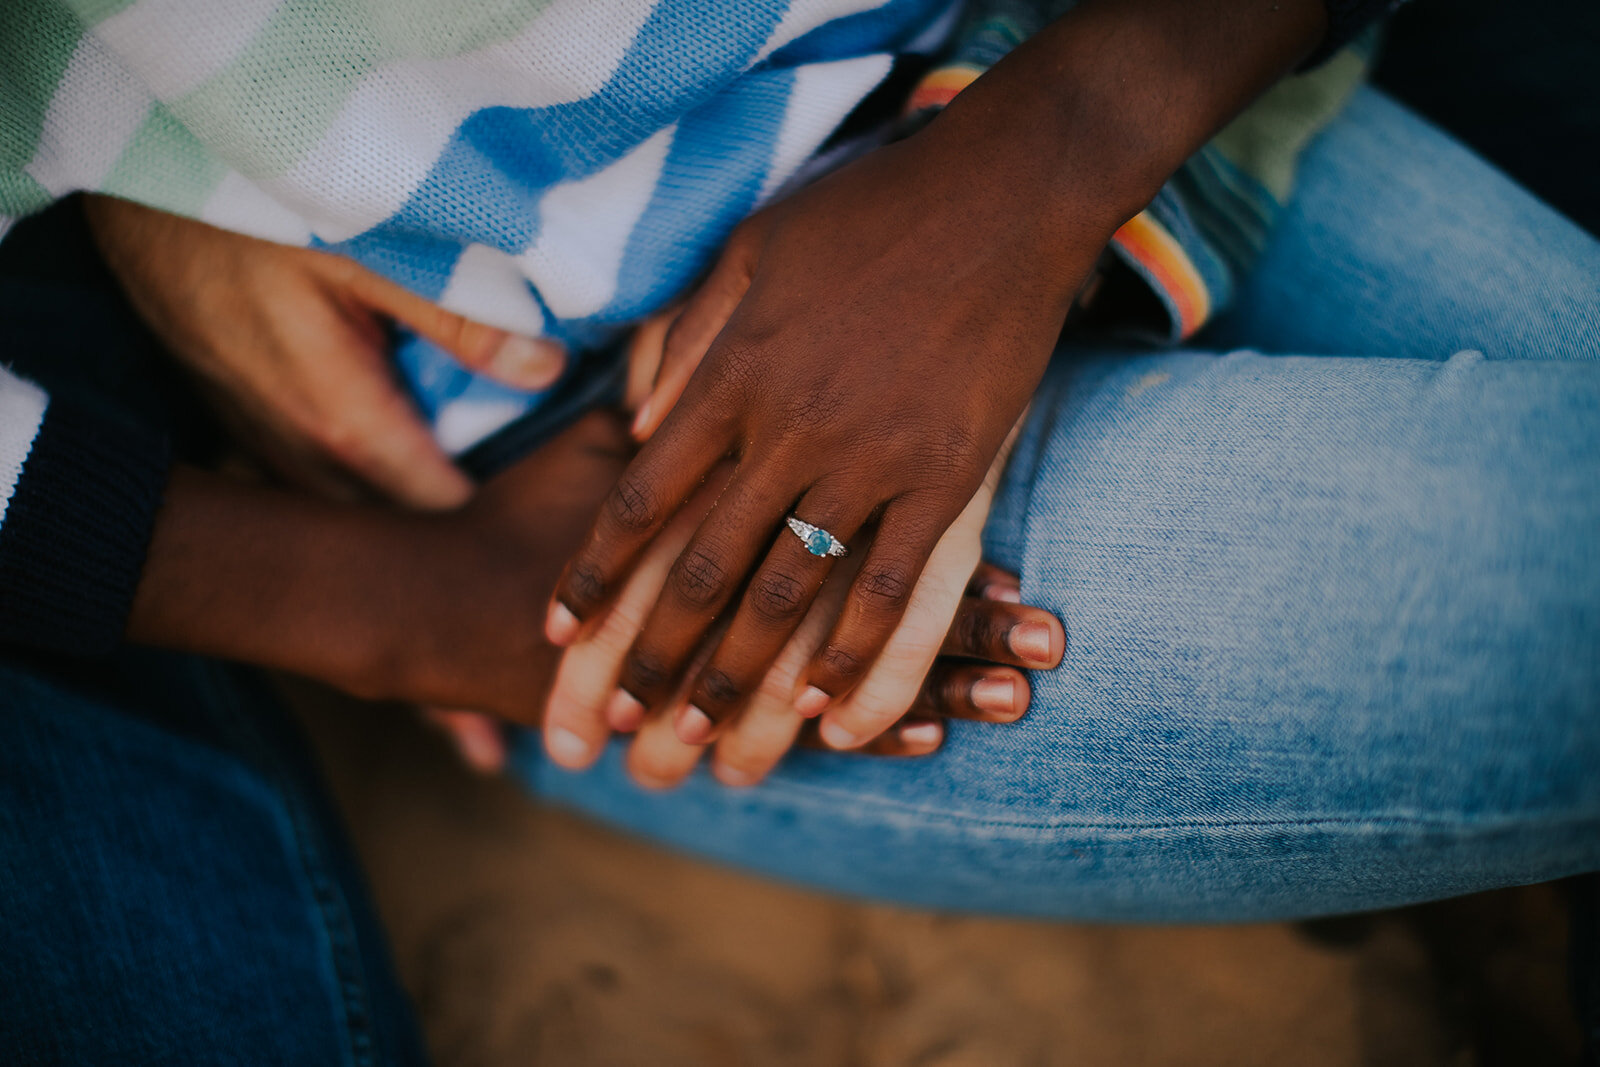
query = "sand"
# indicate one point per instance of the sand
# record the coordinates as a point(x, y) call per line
point(531, 936)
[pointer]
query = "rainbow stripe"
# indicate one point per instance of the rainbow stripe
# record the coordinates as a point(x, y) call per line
point(938, 87)
point(1143, 241)
point(1161, 259)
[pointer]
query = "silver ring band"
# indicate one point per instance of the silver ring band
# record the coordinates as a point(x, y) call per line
point(818, 542)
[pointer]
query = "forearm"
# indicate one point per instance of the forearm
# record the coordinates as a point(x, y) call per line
point(249, 573)
point(1080, 125)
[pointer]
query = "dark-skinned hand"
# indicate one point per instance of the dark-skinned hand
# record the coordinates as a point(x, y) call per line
point(870, 341)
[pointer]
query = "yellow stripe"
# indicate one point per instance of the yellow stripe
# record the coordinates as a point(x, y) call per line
point(1148, 242)
point(938, 87)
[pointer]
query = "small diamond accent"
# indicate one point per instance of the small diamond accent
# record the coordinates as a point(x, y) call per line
point(818, 542)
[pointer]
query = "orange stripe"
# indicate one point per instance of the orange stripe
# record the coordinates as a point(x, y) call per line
point(938, 87)
point(1149, 243)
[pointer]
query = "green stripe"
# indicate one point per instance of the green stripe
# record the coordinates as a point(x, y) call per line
point(165, 167)
point(39, 38)
point(276, 100)
point(92, 12)
point(20, 195)
point(1265, 142)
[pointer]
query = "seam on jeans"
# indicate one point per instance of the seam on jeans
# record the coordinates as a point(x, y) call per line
point(344, 954)
point(810, 796)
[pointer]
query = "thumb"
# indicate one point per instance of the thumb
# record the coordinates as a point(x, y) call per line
point(376, 434)
point(690, 336)
point(527, 363)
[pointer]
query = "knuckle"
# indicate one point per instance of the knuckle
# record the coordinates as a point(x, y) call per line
point(947, 452)
point(647, 672)
point(842, 662)
point(958, 439)
point(739, 365)
point(340, 438)
point(721, 688)
point(952, 693)
point(976, 632)
point(699, 578)
point(586, 584)
point(886, 588)
point(777, 597)
point(450, 328)
point(477, 343)
point(633, 505)
point(873, 712)
point(811, 409)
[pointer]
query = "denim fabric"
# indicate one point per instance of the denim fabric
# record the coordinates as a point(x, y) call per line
point(174, 886)
point(1332, 622)
point(1333, 617)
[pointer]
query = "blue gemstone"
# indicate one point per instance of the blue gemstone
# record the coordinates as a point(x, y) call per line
point(819, 542)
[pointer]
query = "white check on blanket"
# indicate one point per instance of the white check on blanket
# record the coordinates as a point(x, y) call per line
point(555, 168)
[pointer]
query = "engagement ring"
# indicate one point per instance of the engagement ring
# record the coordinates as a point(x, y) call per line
point(818, 542)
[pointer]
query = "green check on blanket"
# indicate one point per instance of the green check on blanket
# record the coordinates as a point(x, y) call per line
point(553, 167)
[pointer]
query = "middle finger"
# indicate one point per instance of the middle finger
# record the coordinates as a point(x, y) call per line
point(700, 584)
point(779, 596)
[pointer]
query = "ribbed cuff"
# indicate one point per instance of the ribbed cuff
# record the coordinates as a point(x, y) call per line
point(1161, 261)
point(77, 530)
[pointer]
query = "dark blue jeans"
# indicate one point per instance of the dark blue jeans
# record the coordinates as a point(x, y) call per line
point(175, 885)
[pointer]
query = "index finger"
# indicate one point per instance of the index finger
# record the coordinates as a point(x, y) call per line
point(652, 489)
point(577, 718)
point(528, 363)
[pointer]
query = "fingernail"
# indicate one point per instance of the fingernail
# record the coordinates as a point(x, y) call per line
point(651, 782)
point(694, 726)
point(526, 363)
point(566, 747)
point(997, 695)
point(733, 776)
point(561, 625)
point(1031, 641)
point(1008, 593)
point(642, 418)
point(812, 702)
point(921, 734)
point(835, 736)
point(624, 712)
point(482, 750)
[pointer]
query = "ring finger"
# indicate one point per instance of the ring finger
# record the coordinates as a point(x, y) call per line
point(778, 598)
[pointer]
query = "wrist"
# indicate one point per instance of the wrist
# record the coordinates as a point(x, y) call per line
point(277, 580)
point(1088, 118)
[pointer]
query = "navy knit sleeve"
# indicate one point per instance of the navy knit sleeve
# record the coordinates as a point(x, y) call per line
point(1346, 19)
point(76, 529)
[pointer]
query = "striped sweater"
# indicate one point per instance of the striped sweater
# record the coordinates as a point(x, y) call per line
point(552, 167)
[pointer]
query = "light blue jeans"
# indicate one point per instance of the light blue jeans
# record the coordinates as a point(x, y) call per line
point(1333, 618)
